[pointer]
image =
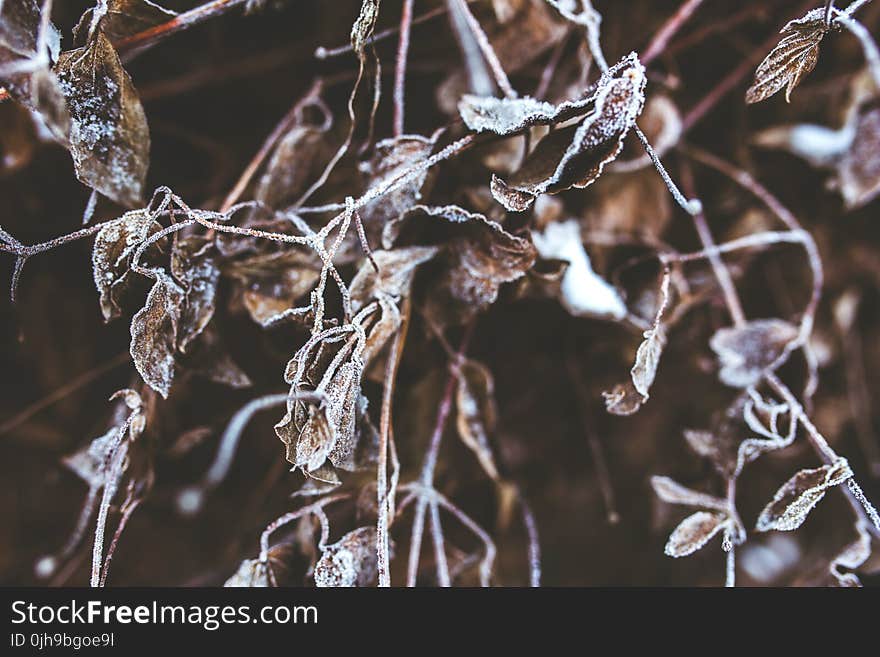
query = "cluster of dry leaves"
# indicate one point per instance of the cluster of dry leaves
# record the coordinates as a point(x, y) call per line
point(367, 258)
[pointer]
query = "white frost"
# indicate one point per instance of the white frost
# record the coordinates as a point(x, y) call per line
point(584, 292)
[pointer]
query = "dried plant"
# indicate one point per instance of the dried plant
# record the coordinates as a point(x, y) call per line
point(450, 252)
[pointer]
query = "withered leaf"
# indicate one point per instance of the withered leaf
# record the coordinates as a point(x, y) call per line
point(746, 352)
point(363, 27)
point(793, 57)
point(295, 161)
point(154, 330)
point(114, 246)
point(349, 562)
point(796, 498)
point(477, 415)
point(391, 158)
point(479, 257)
point(673, 492)
point(694, 532)
point(196, 271)
point(575, 155)
point(109, 138)
point(272, 283)
point(397, 267)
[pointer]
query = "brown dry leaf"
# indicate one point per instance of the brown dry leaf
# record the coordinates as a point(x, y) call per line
point(272, 283)
point(571, 156)
point(852, 556)
point(349, 562)
point(251, 573)
point(391, 158)
point(211, 359)
point(477, 415)
point(626, 398)
point(154, 330)
point(794, 56)
point(746, 352)
point(479, 257)
point(296, 160)
point(796, 498)
point(319, 429)
point(363, 27)
point(124, 18)
point(397, 267)
point(673, 492)
point(694, 532)
point(196, 270)
point(114, 246)
point(109, 138)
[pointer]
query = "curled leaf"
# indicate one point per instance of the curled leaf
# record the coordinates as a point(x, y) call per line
point(852, 556)
point(114, 246)
point(694, 532)
point(349, 562)
point(575, 155)
point(746, 352)
point(793, 57)
point(796, 498)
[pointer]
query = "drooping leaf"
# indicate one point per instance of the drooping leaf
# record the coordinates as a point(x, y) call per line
point(114, 246)
point(196, 270)
point(746, 352)
point(858, 172)
point(109, 138)
point(694, 532)
point(575, 155)
point(799, 495)
point(349, 562)
point(793, 57)
point(251, 573)
point(154, 331)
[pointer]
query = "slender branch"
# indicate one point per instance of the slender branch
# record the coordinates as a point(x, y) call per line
point(669, 29)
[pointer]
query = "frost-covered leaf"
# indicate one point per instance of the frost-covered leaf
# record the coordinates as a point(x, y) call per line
point(793, 57)
point(363, 27)
point(746, 352)
point(852, 556)
point(397, 267)
point(673, 492)
point(319, 429)
point(349, 562)
point(694, 532)
point(626, 398)
point(575, 155)
point(154, 330)
point(196, 270)
point(391, 158)
point(797, 497)
point(109, 138)
point(477, 415)
point(114, 246)
point(479, 256)
point(583, 291)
